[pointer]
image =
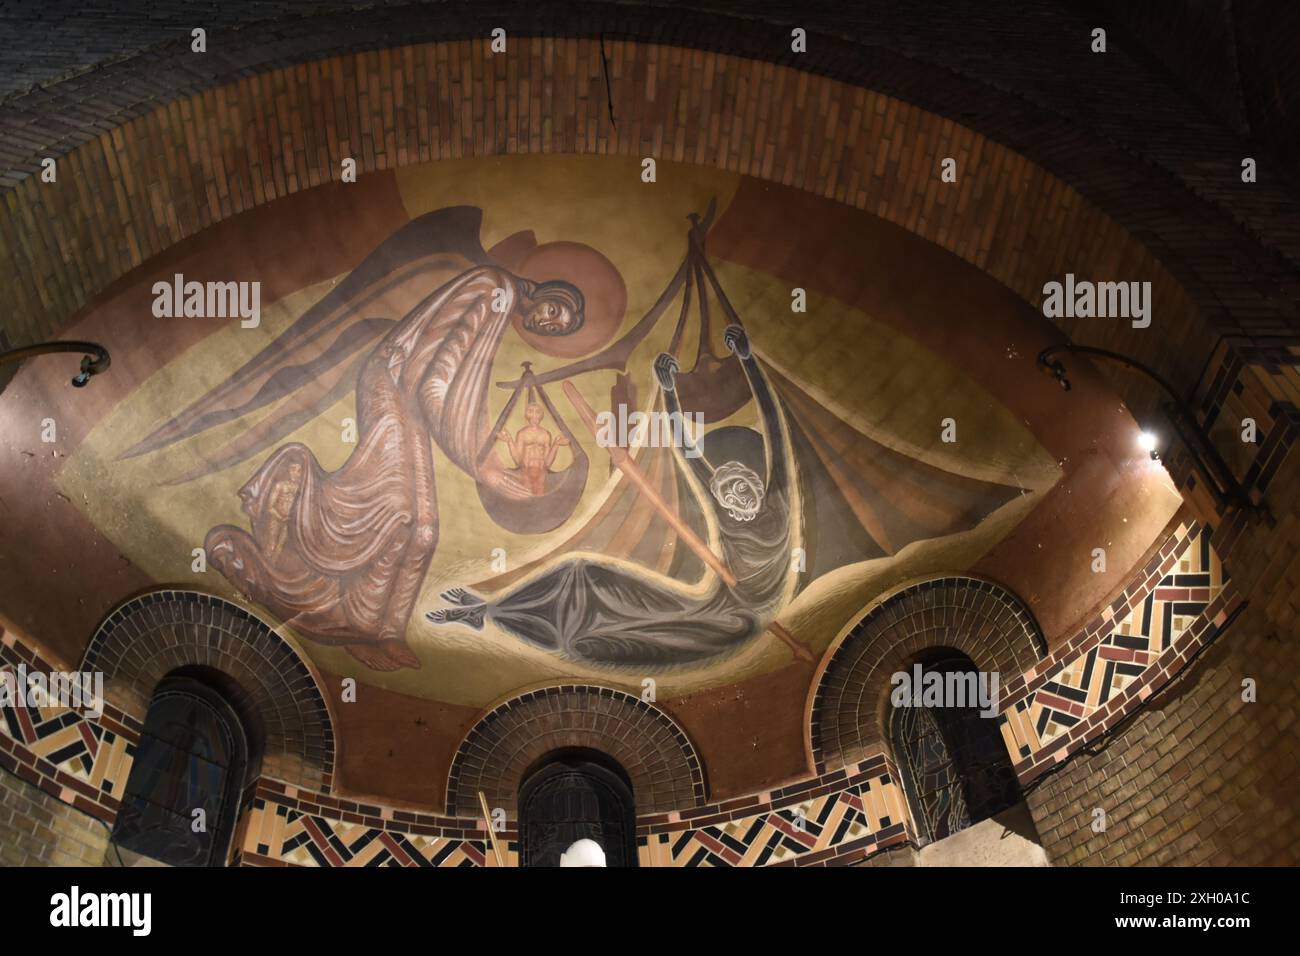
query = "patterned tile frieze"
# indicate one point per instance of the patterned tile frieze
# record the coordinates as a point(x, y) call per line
point(837, 818)
point(282, 827)
point(1177, 605)
point(74, 753)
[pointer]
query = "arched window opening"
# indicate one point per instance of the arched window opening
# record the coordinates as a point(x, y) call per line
point(192, 756)
point(576, 795)
point(953, 763)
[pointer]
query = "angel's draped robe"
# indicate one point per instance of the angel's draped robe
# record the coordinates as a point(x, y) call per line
point(360, 539)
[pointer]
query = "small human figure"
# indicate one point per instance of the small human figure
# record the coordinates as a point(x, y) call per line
point(279, 508)
point(533, 449)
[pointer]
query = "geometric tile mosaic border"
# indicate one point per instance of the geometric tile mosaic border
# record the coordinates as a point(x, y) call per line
point(839, 818)
point(78, 759)
point(283, 825)
point(278, 830)
point(1175, 606)
point(1137, 644)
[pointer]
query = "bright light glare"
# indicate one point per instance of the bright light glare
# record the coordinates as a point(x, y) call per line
point(1147, 441)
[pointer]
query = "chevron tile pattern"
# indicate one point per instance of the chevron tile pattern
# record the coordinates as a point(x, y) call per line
point(856, 817)
point(281, 834)
point(1082, 685)
point(71, 741)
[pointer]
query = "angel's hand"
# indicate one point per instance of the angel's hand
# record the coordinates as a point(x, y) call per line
point(665, 371)
point(737, 340)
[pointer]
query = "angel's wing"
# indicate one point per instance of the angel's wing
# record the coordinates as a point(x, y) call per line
point(314, 362)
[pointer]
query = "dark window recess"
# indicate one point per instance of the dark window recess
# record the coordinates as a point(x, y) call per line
point(573, 796)
point(953, 763)
point(191, 756)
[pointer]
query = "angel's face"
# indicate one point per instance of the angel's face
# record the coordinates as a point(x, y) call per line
point(549, 318)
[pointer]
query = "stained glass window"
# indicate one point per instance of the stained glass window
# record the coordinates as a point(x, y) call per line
point(191, 757)
point(570, 798)
point(953, 763)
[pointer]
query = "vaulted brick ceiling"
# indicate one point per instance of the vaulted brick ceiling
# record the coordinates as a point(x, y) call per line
point(1014, 74)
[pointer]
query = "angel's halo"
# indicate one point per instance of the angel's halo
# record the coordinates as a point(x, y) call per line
point(602, 288)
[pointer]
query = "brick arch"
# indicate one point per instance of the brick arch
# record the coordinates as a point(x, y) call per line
point(659, 758)
point(268, 682)
point(982, 620)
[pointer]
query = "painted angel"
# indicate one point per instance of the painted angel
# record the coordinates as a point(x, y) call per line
point(359, 540)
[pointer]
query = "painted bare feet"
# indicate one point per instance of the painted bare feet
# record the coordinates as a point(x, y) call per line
point(469, 616)
point(461, 596)
point(389, 655)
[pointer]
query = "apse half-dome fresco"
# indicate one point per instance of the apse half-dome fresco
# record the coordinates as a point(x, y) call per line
point(502, 422)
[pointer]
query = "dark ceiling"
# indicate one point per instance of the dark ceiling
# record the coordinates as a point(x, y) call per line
point(1236, 57)
point(1153, 132)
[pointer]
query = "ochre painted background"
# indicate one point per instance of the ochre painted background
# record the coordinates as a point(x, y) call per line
point(898, 335)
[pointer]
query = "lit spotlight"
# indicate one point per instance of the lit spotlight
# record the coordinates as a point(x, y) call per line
point(1147, 442)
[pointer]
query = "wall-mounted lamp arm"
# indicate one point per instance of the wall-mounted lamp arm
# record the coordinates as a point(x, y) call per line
point(95, 358)
point(1223, 484)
